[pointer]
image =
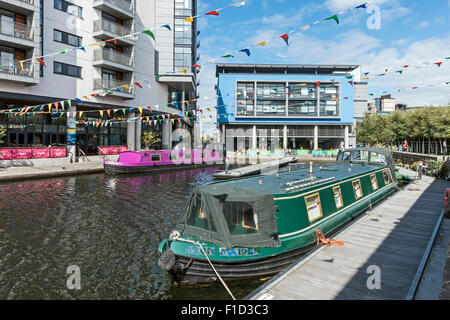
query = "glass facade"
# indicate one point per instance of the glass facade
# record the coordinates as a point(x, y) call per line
point(281, 99)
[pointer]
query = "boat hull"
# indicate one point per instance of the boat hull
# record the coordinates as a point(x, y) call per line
point(118, 169)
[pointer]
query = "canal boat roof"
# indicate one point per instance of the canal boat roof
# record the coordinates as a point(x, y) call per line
point(287, 182)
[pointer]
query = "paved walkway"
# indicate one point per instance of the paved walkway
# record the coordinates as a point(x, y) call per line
point(34, 172)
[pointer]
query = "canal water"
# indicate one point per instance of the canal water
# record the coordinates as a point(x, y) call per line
point(108, 226)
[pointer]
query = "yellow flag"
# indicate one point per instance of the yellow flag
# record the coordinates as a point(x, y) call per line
point(126, 86)
point(190, 19)
point(262, 43)
point(101, 113)
point(21, 64)
point(184, 70)
point(81, 113)
point(140, 109)
point(49, 107)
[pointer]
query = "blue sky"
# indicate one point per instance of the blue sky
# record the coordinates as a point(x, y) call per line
point(411, 32)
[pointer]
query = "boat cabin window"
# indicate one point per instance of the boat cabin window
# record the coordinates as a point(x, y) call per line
point(357, 189)
point(360, 155)
point(386, 177)
point(373, 181)
point(203, 155)
point(241, 217)
point(173, 156)
point(313, 207)
point(345, 156)
point(188, 155)
point(198, 217)
point(378, 158)
point(156, 157)
point(338, 197)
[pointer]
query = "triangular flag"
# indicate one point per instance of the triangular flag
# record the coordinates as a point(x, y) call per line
point(261, 43)
point(362, 6)
point(64, 51)
point(305, 27)
point(41, 62)
point(399, 71)
point(166, 26)
point(335, 18)
point(149, 33)
point(140, 110)
point(111, 40)
point(108, 112)
point(69, 102)
point(238, 4)
point(438, 64)
point(285, 38)
point(184, 70)
point(212, 13)
point(317, 83)
point(351, 83)
point(81, 48)
point(101, 113)
point(247, 51)
point(138, 84)
point(228, 56)
point(190, 19)
point(197, 66)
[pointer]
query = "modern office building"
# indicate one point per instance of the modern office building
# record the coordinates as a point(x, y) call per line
point(34, 28)
point(288, 106)
point(385, 104)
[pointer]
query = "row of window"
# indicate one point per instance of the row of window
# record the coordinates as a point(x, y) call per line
point(313, 205)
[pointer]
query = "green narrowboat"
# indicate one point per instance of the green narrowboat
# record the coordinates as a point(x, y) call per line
point(255, 227)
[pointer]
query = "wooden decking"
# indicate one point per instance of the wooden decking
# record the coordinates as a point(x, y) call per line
point(254, 169)
point(394, 236)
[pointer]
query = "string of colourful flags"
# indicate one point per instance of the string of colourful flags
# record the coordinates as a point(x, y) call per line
point(285, 36)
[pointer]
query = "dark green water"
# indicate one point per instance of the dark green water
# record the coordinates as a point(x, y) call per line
point(108, 226)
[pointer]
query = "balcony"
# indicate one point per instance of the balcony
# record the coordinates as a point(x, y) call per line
point(113, 60)
point(122, 9)
point(19, 6)
point(16, 34)
point(115, 87)
point(13, 71)
point(105, 29)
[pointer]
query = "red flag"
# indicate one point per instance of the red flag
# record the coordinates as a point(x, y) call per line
point(197, 66)
point(317, 83)
point(212, 13)
point(285, 38)
point(438, 64)
point(138, 84)
point(414, 88)
point(108, 112)
point(112, 40)
point(57, 106)
point(351, 83)
point(41, 62)
point(406, 66)
point(150, 109)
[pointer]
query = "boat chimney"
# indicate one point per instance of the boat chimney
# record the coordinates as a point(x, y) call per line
point(311, 167)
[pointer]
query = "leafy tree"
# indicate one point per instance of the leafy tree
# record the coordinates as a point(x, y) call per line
point(150, 138)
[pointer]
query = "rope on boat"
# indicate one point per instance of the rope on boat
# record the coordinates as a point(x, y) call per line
point(177, 238)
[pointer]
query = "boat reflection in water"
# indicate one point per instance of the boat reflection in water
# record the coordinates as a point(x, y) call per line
point(255, 227)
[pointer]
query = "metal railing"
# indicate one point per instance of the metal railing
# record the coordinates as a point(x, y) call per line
point(112, 27)
point(16, 68)
point(17, 30)
point(107, 84)
point(122, 4)
point(113, 56)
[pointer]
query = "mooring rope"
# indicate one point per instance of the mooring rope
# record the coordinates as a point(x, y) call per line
point(177, 238)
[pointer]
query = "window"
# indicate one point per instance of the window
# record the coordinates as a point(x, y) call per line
point(188, 156)
point(245, 98)
point(313, 207)
point(68, 7)
point(66, 69)
point(156, 157)
point(67, 38)
point(373, 180)
point(183, 57)
point(241, 217)
point(173, 156)
point(357, 189)
point(338, 197)
point(386, 177)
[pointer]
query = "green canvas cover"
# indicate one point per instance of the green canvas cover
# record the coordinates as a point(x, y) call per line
point(230, 216)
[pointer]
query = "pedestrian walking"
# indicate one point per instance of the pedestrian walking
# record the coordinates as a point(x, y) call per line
point(420, 170)
point(405, 146)
point(227, 165)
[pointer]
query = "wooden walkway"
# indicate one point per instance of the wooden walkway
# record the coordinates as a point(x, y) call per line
point(394, 237)
point(272, 165)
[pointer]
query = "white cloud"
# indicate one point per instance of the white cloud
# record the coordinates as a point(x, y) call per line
point(423, 25)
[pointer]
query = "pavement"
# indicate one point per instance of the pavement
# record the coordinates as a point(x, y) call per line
point(38, 172)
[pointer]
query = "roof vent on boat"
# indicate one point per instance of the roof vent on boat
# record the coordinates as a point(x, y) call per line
point(310, 184)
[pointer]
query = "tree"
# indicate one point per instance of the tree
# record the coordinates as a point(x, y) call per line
point(2, 133)
point(150, 138)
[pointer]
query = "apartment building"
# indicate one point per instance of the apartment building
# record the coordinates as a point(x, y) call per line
point(272, 107)
point(33, 28)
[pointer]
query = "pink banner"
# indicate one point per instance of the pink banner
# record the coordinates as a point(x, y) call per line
point(113, 150)
point(22, 153)
point(41, 153)
point(5, 154)
point(58, 152)
point(103, 150)
point(123, 148)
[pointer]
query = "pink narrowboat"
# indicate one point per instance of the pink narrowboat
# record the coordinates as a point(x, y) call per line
point(161, 160)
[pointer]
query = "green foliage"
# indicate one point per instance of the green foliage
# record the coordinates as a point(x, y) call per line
point(149, 138)
point(2, 133)
point(432, 123)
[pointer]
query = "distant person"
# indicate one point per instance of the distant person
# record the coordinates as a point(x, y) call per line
point(420, 170)
point(227, 165)
point(405, 146)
